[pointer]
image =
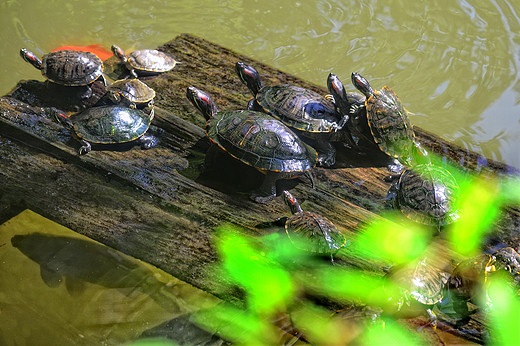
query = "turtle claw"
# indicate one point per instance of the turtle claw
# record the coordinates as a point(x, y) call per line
point(326, 160)
point(148, 142)
point(330, 98)
point(85, 148)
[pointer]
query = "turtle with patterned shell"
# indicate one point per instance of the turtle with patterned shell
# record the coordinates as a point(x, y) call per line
point(145, 62)
point(258, 140)
point(308, 113)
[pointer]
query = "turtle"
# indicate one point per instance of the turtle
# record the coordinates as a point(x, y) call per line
point(112, 124)
point(131, 92)
point(67, 67)
point(468, 280)
point(325, 237)
point(420, 281)
point(310, 114)
point(258, 140)
point(507, 260)
point(425, 194)
point(388, 122)
point(145, 62)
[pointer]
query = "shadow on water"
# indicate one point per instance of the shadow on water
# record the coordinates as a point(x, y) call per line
point(79, 291)
point(75, 262)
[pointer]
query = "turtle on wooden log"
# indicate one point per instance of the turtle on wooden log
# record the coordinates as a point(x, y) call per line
point(143, 202)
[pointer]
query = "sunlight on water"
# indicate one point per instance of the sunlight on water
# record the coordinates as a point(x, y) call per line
point(61, 288)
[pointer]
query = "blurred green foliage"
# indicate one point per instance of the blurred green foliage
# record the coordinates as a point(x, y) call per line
point(276, 277)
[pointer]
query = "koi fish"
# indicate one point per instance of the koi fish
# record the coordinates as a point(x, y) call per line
point(97, 49)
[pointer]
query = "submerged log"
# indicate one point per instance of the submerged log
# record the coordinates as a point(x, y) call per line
point(156, 205)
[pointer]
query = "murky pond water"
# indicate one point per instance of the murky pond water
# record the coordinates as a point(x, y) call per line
point(454, 64)
point(61, 288)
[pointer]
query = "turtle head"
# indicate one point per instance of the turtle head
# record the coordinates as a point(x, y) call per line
point(202, 101)
point(337, 90)
point(119, 53)
point(362, 84)
point(58, 116)
point(31, 58)
point(292, 202)
point(249, 76)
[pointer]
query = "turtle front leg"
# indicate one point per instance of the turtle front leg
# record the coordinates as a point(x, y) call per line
point(148, 141)
point(267, 191)
point(432, 319)
point(133, 74)
point(85, 147)
point(326, 152)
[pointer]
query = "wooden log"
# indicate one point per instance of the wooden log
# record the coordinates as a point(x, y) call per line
point(156, 205)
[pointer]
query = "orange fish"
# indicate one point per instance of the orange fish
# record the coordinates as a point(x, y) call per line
point(97, 49)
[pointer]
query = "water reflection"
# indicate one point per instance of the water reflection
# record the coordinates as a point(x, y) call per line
point(62, 288)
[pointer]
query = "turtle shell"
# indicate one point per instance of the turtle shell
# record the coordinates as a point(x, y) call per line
point(71, 68)
point(325, 236)
point(298, 108)
point(425, 195)
point(389, 124)
point(110, 124)
point(150, 61)
point(423, 282)
point(133, 90)
point(261, 141)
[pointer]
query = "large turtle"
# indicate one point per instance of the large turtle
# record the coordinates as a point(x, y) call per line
point(311, 114)
point(145, 62)
point(258, 140)
point(67, 67)
point(324, 237)
point(421, 281)
point(425, 194)
point(108, 125)
point(388, 122)
point(131, 92)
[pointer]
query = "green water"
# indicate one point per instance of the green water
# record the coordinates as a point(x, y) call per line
point(453, 63)
point(61, 288)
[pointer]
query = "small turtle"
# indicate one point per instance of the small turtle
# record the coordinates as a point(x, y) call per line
point(67, 67)
point(311, 114)
point(388, 122)
point(145, 62)
point(468, 280)
point(422, 282)
point(107, 125)
point(508, 259)
point(325, 237)
point(425, 194)
point(131, 92)
point(258, 140)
